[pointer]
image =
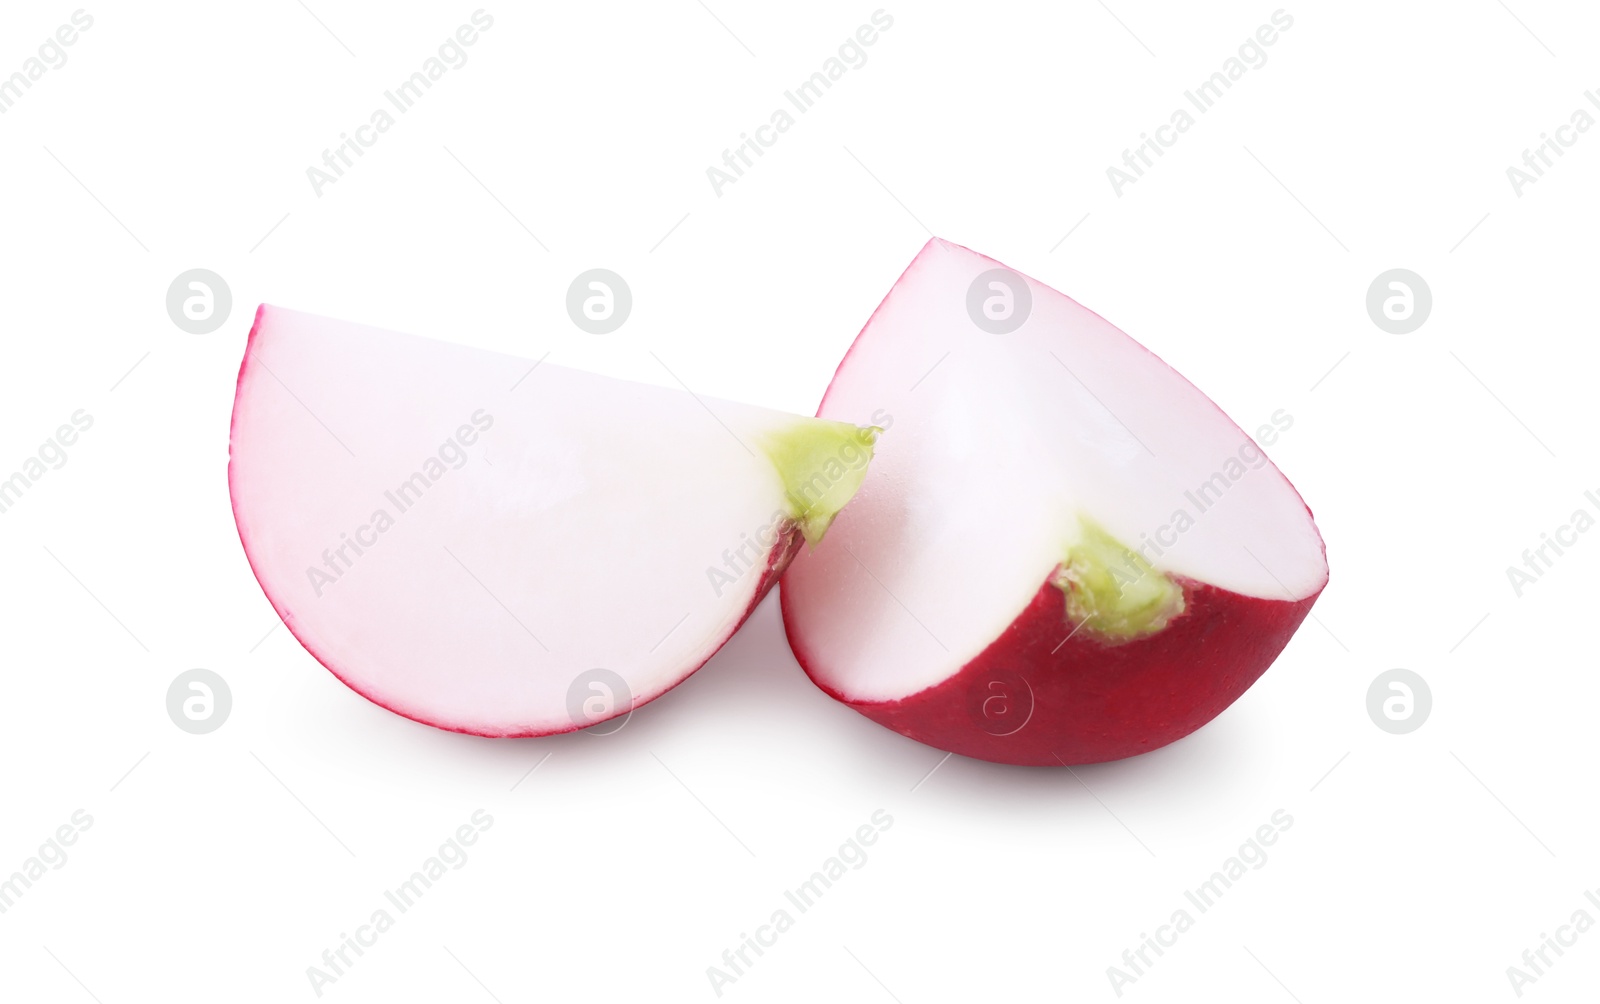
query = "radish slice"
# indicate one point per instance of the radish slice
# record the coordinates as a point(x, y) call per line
point(1063, 553)
point(504, 548)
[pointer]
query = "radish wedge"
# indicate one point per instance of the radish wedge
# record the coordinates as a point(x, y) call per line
point(1063, 553)
point(494, 546)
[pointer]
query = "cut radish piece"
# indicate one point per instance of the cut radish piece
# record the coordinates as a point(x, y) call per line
point(494, 546)
point(1063, 553)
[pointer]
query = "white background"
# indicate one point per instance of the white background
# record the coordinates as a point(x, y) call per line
point(1376, 136)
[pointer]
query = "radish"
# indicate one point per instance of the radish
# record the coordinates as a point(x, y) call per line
point(499, 547)
point(1063, 553)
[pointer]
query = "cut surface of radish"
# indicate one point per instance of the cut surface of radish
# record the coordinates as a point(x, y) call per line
point(1053, 480)
point(508, 548)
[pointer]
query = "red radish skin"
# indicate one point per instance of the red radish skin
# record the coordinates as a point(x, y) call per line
point(1086, 701)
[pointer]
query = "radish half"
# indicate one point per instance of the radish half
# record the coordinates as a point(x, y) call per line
point(1063, 553)
point(494, 546)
